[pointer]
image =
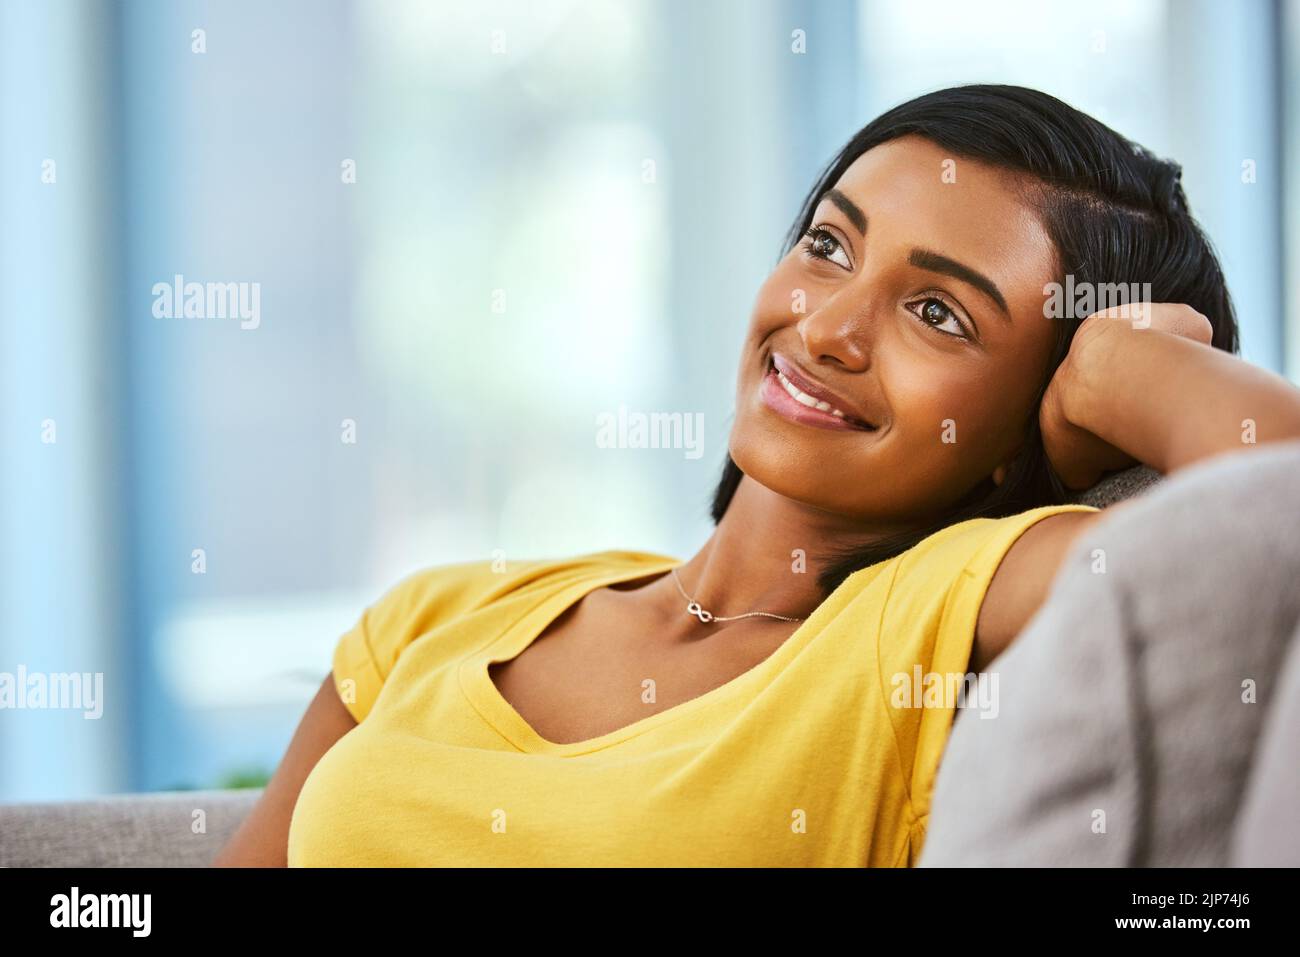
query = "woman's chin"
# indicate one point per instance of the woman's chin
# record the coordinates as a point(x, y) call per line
point(796, 471)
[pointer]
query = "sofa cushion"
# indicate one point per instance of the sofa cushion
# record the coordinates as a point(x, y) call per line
point(1268, 829)
point(159, 829)
point(1130, 706)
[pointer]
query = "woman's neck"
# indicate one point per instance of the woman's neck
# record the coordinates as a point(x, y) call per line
point(765, 555)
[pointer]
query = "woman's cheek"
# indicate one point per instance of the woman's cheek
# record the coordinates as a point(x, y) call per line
point(774, 312)
point(940, 419)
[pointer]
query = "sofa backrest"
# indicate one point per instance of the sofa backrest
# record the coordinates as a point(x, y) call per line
point(160, 829)
point(1119, 486)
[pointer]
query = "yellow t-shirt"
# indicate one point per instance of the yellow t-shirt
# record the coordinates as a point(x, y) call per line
point(823, 754)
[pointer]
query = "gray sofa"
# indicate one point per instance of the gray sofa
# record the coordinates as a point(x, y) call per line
point(1147, 714)
point(161, 829)
point(988, 809)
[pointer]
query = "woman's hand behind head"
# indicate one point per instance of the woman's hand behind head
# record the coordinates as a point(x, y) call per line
point(1077, 455)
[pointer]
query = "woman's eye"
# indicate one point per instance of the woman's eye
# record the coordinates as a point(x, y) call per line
point(935, 313)
point(823, 245)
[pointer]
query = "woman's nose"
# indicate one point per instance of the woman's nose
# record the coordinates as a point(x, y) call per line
point(839, 333)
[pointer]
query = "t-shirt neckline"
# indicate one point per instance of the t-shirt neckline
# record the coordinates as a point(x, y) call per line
point(485, 697)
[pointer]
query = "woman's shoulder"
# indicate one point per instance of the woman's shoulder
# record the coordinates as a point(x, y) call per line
point(442, 590)
point(977, 545)
point(430, 597)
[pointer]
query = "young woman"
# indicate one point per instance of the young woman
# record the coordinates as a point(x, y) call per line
point(913, 408)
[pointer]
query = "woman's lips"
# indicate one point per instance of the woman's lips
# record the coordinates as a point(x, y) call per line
point(787, 400)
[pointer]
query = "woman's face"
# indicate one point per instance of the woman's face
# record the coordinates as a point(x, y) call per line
point(911, 327)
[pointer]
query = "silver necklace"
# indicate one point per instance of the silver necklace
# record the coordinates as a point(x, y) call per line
point(693, 608)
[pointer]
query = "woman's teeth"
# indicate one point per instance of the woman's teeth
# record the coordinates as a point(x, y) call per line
point(803, 398)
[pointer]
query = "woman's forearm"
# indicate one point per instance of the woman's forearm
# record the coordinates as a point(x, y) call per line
point(1169, 402)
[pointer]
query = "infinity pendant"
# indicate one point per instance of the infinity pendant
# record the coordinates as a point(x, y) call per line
point(694, 609)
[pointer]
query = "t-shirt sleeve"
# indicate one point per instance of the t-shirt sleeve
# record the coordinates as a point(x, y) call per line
point(366, 653)
point(928, 631)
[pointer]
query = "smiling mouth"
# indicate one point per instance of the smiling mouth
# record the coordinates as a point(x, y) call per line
point(789, 400)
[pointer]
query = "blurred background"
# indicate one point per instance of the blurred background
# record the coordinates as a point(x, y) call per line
point(475, 227)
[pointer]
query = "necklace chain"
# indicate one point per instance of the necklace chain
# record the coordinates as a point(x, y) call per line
point(693, 608)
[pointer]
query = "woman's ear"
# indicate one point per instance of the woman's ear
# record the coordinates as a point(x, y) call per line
point(1000, 473)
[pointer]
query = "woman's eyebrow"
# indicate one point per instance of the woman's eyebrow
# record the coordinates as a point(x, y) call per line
point(848, 208)
point(933, 262)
